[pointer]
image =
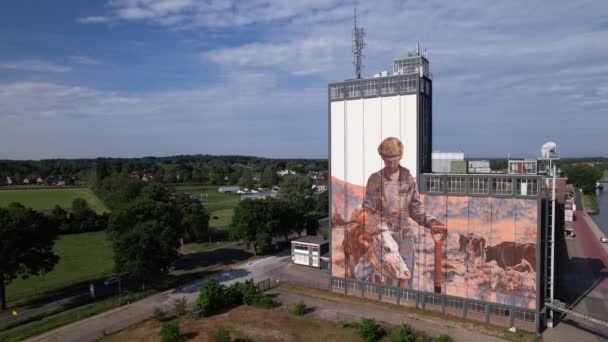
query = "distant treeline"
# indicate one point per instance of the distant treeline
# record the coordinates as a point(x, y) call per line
point(206, 169)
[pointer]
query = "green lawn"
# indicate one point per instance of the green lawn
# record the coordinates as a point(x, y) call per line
point(46, 199)
point(216, 203)
point(82, 256)
point(590, 203)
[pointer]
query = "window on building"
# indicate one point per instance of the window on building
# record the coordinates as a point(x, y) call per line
point(454, 303)
point(502, 186)
point(301, 247)
point(432, 299)
point(477, 307)
point(353, 286)
point(456, 185)
point(499, 311)
point(478, 185)
point(353, 89)
point(434, 184)
point(388, 86)
point(389, 292)
point(527, 316)
point(370, 88)
point(370, 289)
point(527, 187)
point(339, 283)
point(336, 92)
point(408, 295)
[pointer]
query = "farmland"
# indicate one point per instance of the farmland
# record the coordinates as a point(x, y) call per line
point(46, 199)
point(82, 257)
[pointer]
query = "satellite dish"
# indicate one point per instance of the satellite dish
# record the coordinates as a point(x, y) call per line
point(549, 150)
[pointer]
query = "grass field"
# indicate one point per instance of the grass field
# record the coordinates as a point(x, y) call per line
point(590, 203)
point(82, 256)
point(247, 323)
point(216, 203)
point(46, 199)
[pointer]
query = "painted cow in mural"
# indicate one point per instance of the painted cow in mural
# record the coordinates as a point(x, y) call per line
point(473, 246)
point(510, 255)
point(382, 262)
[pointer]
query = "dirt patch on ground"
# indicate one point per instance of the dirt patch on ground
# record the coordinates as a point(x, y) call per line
point(246, 322)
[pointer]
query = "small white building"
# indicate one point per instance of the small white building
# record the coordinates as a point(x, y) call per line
point(309, 251)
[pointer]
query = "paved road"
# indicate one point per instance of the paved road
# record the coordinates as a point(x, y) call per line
point(586, 284)
point(111, 321)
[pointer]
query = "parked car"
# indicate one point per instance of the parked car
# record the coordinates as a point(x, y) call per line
point(110, 281)
point(604, 239)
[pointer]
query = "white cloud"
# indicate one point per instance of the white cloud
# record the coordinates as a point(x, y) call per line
point(79, 59)
point(93, 20)
point(34, 66)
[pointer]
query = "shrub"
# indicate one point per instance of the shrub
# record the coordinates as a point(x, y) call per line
point(179, 306)
point(233, 295)
point(210, 298)
point(170, 333)
point(159, 314)
point(263, 301)
point(298, 309)
point(222, 335)
point(249, 291)
point(442, 338)
point(369, 330)
point(403, 333)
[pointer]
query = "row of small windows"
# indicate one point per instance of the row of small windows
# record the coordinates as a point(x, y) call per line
point(481, 185)
point(455, 303)
point(528, 316)
point(301, 247)
point(374, 87)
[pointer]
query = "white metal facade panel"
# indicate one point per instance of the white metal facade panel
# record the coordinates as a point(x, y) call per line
point(372, 136)
point(337, 139)
point(354, 142)
point(409, 132)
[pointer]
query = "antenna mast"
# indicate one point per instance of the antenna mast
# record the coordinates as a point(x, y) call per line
point(358, 45)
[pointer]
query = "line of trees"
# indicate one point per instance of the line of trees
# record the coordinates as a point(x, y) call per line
point(296, 209)
point(205, 169)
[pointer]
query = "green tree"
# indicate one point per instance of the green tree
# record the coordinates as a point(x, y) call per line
point(210, 298)
point(263, 241)
point(268, 178)
point(245, 181)
point(250, 217)
point(296, 188)
point(194, 218)
point(583, 176)
point(145, 236)
point(26, 245)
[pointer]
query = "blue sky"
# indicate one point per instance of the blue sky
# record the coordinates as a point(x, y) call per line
point(162, 77)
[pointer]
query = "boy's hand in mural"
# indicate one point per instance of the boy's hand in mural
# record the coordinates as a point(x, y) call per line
point(439, 228)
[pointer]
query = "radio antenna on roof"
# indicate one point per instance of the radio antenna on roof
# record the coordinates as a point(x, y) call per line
point(358, 45)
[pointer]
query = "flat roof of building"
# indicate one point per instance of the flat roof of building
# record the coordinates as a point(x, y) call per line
point(311, 240)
